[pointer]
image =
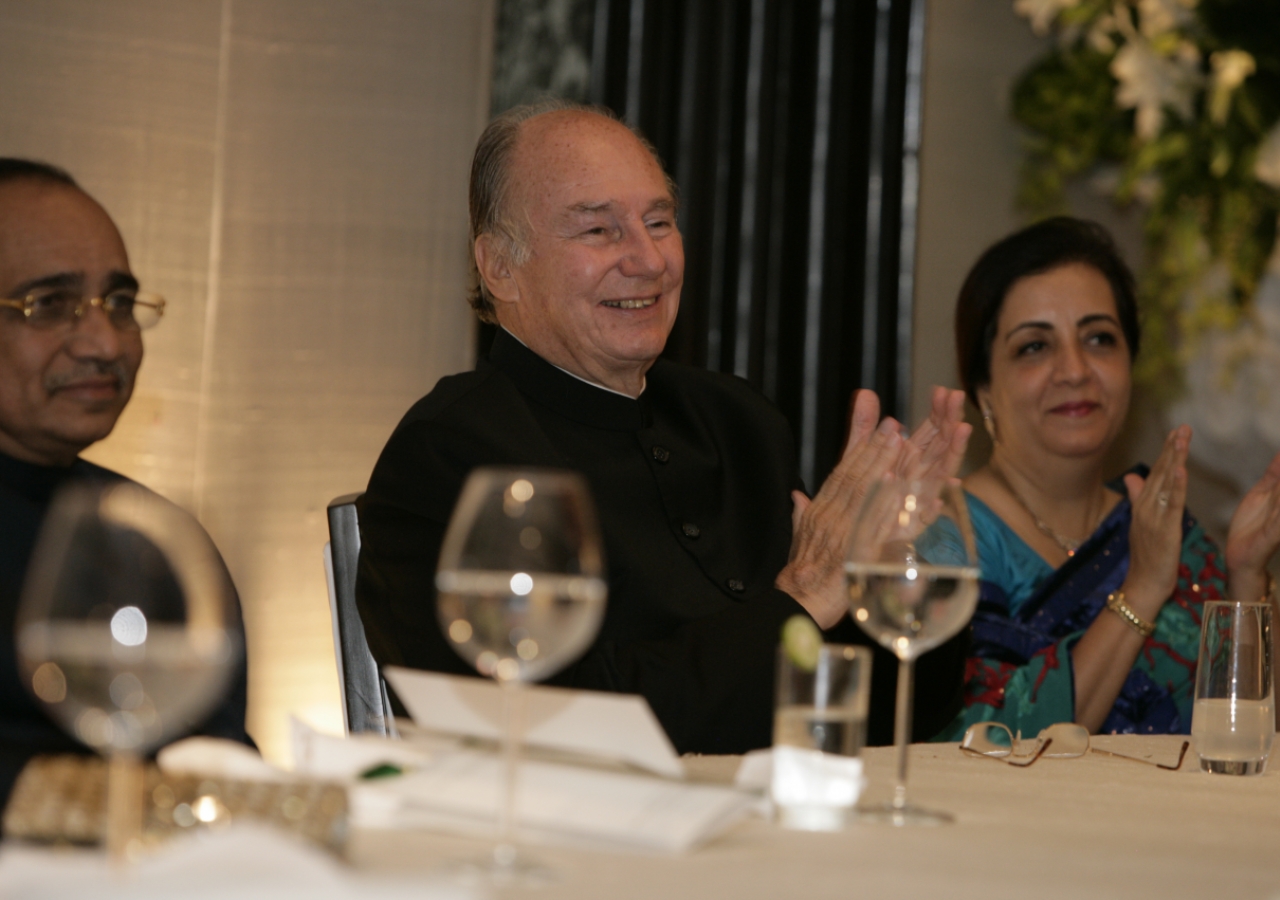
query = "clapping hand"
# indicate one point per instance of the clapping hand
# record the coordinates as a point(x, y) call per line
point(1254, 536)
point(814, 574)
point(937, 447)
point(1155, 533)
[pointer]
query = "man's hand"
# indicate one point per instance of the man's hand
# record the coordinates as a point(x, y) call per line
point(936, 450)
point(814, 574)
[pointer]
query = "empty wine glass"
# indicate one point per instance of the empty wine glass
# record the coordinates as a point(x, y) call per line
point(521, 594)
point(913, 583)
point(126, 632)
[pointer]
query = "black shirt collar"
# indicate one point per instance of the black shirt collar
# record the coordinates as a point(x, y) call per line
point(34, 482)
point(37, 483)
point(570, 397)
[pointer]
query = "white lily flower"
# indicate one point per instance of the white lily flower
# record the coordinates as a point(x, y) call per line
point(1160, 16)
point(1230, 69)
point(1267, 167)
point(1100, 34)
point(1149, 83)
point(1042, 12)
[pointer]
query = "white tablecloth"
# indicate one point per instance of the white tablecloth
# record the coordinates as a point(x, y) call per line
point(1089, 827)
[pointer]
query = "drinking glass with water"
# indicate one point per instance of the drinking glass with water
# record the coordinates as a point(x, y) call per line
point(819, 728)
point(1233, 721)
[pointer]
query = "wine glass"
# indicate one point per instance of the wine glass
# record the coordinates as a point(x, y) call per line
point(521, 594)
point(912, 573)
point(126, 632)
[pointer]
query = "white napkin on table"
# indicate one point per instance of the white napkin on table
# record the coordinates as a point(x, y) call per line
point(453, 788)
point(245, 861)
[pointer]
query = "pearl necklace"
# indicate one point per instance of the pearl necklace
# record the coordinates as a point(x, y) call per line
point(1067, 544)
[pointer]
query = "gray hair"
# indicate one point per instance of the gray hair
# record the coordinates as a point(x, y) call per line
point(490, 191)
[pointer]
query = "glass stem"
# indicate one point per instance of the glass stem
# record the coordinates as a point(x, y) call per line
point(124, 807)
point(902, 728)
point(504, 852)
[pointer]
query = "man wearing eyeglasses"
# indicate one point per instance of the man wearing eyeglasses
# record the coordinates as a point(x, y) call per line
point(71, 321)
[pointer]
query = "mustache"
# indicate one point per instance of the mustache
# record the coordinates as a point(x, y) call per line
point(90, 369)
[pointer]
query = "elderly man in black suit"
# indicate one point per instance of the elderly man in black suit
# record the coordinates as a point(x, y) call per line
point(711, 544)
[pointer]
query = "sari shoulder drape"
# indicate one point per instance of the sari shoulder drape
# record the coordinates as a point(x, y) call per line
point(1028, 620)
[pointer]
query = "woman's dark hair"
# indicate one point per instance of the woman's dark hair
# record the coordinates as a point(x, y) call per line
point(1032, 251)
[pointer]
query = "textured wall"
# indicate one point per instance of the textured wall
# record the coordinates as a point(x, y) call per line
point(970, 152)
point(291, 174)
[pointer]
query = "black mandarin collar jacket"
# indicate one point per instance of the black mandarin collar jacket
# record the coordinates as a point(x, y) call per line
point(692, 484)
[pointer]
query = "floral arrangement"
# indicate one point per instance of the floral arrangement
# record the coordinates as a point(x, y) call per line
point(1173, 105)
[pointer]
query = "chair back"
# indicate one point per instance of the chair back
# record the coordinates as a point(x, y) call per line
point(365, 704)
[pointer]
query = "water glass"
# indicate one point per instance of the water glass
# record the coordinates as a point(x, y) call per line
point(128, 632)
point(1233, 721)
point(819, 728)
point(912, 573)
point(521, 595)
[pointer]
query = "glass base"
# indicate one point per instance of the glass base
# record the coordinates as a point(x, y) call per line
point(1233, 767)
point(504, 866)
point(902, 816)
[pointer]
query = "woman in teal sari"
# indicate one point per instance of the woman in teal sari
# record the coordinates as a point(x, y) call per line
point(1091, 591)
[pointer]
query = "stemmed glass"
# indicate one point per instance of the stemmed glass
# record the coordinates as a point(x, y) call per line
point(913, 583)
point(521, 594)
point(127, 632)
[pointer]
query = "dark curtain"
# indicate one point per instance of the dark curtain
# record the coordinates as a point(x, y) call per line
point(791, 128)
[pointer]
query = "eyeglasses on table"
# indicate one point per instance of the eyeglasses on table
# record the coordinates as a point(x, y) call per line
point(1064, 740)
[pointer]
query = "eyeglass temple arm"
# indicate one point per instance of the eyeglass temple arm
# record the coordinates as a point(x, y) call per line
point(1039, 752)
point(1150, 762)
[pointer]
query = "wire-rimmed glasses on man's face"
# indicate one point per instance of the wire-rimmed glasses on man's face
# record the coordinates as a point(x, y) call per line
point(127, 309)
point(1064, 740)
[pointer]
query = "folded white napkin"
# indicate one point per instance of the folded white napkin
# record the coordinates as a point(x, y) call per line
point(803, 777)
point(796, 775)
point(818, 788)
point(454, 788)
point(245, 861)
point(217, 758)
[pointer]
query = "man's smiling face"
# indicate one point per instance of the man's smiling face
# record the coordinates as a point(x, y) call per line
point(61, 388)
point(599, 286)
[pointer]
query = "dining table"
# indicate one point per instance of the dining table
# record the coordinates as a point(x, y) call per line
point(1089, 826)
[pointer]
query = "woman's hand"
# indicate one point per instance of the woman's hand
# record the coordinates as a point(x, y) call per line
point(1103, 656)
point(814, 574)
point(1254, 536)
point(1155, 534)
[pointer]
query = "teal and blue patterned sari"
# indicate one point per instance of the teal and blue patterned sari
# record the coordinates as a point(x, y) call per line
point(1030, 616)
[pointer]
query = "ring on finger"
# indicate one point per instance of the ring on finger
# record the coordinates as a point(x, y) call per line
point(1163, 499)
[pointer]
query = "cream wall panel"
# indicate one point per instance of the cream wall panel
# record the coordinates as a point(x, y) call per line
point(123, 95)
point(970, 153)
point(313, 248)
point(341, 291)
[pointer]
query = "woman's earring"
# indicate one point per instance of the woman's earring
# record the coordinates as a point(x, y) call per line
point(989, 422)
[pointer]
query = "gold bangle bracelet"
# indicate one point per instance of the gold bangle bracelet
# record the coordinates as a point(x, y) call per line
point(1115, 603)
